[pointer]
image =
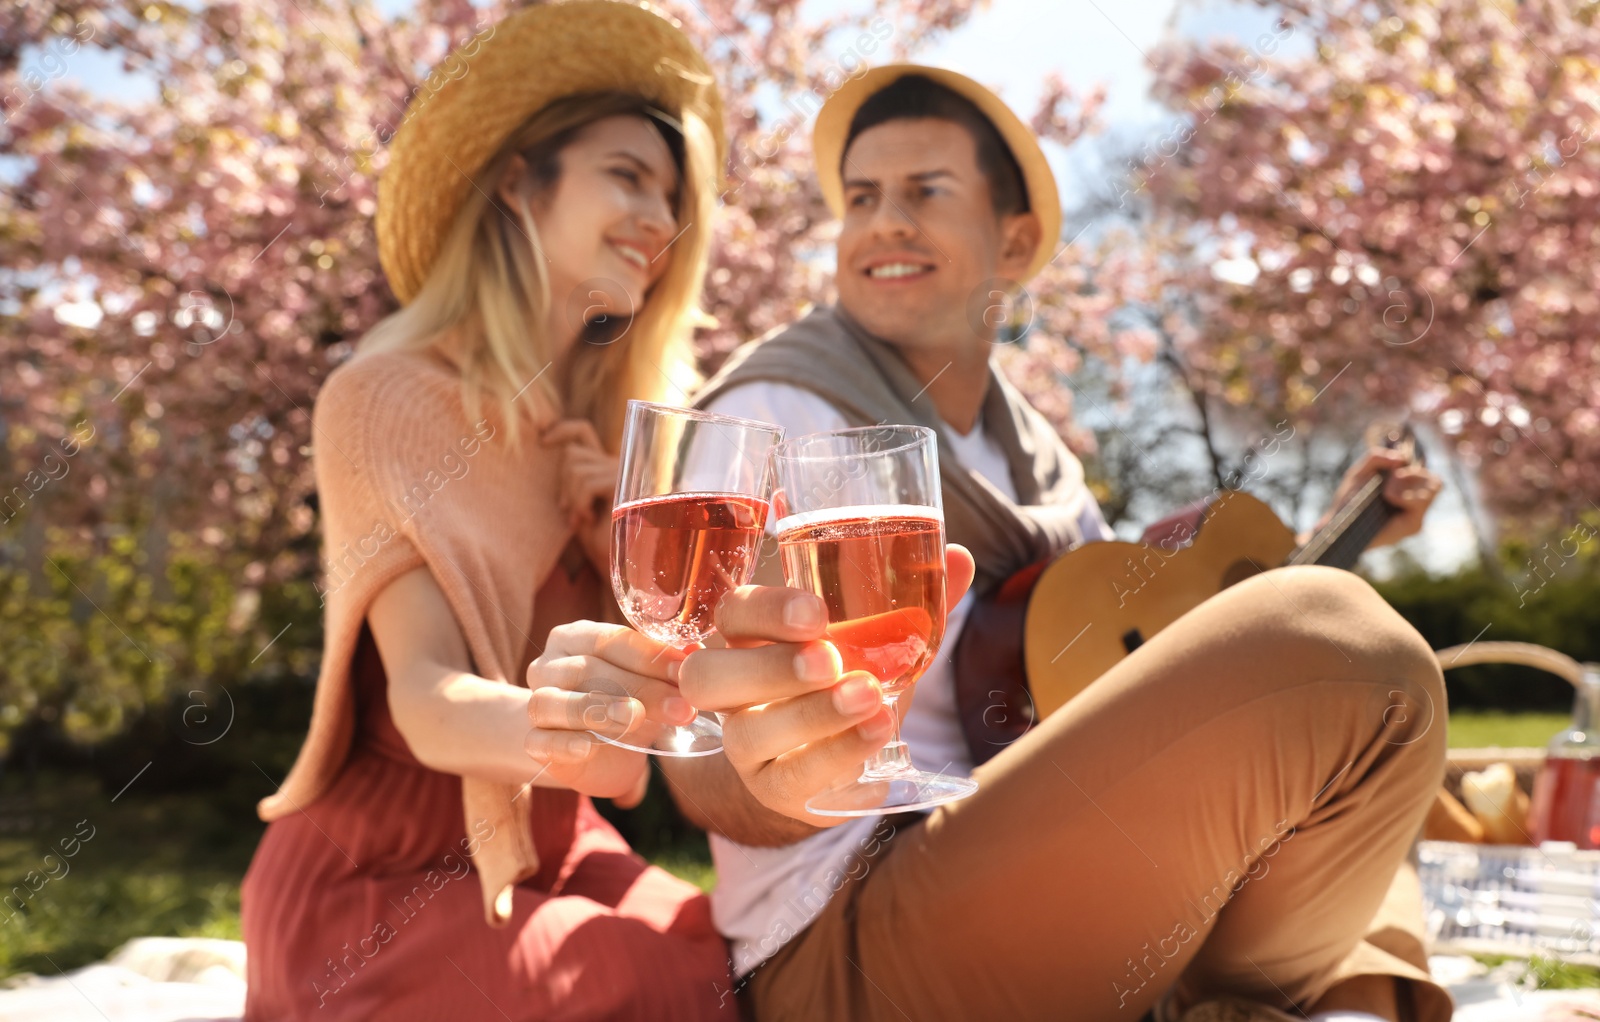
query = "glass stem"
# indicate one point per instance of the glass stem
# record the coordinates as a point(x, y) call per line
point(893, 760)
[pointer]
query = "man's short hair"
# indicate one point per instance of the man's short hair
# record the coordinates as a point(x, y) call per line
point(914, 97)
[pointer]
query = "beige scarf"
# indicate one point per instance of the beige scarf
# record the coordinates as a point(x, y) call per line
point(863, 377)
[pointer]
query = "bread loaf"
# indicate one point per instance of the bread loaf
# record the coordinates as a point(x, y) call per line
point(1502, 807)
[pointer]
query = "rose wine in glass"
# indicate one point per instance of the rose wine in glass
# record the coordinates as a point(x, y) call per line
point(881, 573)
point(861, 525)
point(676, 556)
point(686, 530)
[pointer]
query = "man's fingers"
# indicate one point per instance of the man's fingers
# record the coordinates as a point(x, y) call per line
point(728, 679)
point(1411, 487)
point(1376, 460)
point(753, 614)
point(1373, 461)
point(959, 568)
point(796, 776)
point(764, 733)
point(771, 614)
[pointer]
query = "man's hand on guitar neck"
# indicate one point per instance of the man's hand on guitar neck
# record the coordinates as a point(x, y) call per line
point(793, 723)
point(1410, 489)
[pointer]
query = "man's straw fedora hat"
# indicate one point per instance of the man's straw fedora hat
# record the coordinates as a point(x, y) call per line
point(487, 88)
point(833, 126)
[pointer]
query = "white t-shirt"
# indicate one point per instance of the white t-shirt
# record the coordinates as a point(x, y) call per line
point(764, 896)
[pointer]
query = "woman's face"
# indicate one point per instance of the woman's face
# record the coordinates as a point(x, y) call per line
point(606, 222)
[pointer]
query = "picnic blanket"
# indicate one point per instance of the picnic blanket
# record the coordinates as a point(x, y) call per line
point(148, 979)
point(172, 979)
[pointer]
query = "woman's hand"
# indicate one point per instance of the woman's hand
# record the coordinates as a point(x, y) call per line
point(605, 678)
point(588, 481)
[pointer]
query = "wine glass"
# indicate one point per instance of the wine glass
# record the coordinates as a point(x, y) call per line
point(686, 529)
point(861, 524)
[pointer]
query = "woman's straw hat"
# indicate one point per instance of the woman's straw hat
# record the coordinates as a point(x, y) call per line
point(486, 89)
point(833, 127)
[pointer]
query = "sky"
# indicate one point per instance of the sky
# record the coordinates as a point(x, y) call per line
point(1012, 45)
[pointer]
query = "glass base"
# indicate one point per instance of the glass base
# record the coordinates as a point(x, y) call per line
point(916, 789)
point(700, 737)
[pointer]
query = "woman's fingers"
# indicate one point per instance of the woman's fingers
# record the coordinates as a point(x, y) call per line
point(588, 472)
point(583, 491)
point(559, 748)
point(572, 431)
point(588, 477)
point(571, 759)
point(582, 462)
point(634, 797)
point(595, 694)
point(605, 678)
point(615, 644)
point(555, 709)
point(588, 456)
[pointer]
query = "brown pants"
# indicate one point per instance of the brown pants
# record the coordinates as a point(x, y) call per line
point(1229, 810)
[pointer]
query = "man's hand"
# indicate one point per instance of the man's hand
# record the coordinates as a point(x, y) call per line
point(1410, 488)
point(793, 724)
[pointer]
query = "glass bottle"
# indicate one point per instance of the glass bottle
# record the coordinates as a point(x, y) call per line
point(1566, 794)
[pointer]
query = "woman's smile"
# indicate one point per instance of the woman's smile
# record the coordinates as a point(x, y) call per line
point(634, 252)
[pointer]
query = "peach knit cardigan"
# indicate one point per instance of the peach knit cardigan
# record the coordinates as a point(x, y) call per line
point(404, 480)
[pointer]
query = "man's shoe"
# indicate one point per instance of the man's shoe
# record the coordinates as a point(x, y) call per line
point(1236, 1009)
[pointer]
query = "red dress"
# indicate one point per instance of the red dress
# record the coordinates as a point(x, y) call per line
point(363, 906)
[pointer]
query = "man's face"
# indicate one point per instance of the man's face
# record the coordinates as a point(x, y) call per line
point(920, 234)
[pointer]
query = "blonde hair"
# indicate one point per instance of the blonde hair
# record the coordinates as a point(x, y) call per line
point(488, 292)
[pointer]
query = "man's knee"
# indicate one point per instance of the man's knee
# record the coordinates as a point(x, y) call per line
point(1325, 595)
point(1354, 630)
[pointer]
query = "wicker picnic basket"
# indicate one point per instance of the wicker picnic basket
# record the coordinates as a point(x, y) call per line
point(1512, 899)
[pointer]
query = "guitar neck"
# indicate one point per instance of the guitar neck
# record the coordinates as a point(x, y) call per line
point(1339, 544)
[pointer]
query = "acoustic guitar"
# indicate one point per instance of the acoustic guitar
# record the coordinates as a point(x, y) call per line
point(1050, 630)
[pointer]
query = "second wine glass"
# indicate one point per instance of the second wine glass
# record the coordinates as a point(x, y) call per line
point(861, 524)
point(687, 521)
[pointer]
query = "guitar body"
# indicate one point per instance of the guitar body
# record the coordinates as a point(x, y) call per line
point(1048, 631)
point(1097, 603)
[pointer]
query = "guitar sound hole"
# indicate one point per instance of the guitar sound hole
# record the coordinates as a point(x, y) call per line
point(1132, 640)
point(1237, 572)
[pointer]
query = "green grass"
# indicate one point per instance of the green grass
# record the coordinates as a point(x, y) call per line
point(167, 865)
point(1482, 728)
point(691, 864)
point(170, 864)
point(1547, 973)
